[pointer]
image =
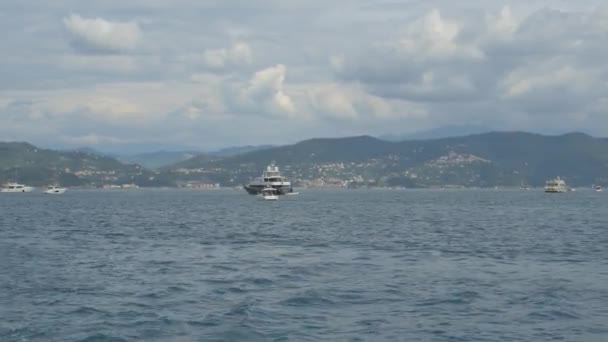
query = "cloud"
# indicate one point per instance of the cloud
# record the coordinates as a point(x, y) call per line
point(101, 63)
point(272, 72)
point(347, 102)
point(239, 54)
point(545, 62)
point(264, 94)
point(103, 36)
point(434, 38)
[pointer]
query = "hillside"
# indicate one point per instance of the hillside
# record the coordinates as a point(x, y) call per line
point(23, 162)
point(490, 159)
point(482, 160)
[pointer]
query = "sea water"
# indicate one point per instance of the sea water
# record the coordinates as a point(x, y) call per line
point(332, 265)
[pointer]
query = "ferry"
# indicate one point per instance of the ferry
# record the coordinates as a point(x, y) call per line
point(556, 185)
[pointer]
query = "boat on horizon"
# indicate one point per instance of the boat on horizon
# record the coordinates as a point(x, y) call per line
point(556, 185)
point(597, 188)
point(16, 187)
point(271, 178)
point(55, 190)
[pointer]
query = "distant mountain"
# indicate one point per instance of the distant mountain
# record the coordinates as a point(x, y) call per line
point(490, 159)
point(233, 151)
point(158, 159)
point(438, 133)
point(26, 163)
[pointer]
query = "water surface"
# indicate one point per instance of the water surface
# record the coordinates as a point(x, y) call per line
point(339, 265)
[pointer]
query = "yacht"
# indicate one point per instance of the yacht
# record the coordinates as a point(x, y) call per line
point(52, 189)
point(597, 188)
point(271, 178)
point(270, 194)
point(16, 187)
point(556, 185)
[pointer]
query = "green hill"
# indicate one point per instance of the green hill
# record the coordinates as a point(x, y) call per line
point(482, 160)
point(490, 159)
point(25, 163)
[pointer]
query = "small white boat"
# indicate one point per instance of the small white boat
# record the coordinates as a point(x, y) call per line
point(597, 188)
point(270, 194)
point(16, 187)
point(52, 189)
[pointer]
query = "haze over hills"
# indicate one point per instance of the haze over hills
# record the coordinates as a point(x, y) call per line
point(449, 131)
point(161, 158)
point(482, 160)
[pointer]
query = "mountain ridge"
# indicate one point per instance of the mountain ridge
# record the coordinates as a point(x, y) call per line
point(477, 160)
point(486, 159)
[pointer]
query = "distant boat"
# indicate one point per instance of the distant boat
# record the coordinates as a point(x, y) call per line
point(597, 188)
point(52, 189)
point(556, 185)
point(524, 186)
point(16, 187)
point(270, 194)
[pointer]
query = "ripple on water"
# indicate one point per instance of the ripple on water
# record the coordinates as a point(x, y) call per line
point(308, 298)
point(102, 338)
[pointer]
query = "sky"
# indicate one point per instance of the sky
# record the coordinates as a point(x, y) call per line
point(206, 74)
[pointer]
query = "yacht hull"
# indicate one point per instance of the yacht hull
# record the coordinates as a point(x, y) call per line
point(24, 189)
point(257, 189)
point(55, 191)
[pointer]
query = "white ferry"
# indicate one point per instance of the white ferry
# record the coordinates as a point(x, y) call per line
point(556, 185)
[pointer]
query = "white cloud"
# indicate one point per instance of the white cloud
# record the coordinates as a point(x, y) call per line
point(347, 102)
point(239, 54)
point(265, 93)
point(100, 35)
point(436, 38)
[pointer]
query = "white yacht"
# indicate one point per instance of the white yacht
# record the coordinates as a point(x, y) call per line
point(16, 187)
point(271, 178)
point(597, 188)
point(556, 185)
point(52, 189)
point(270, 194)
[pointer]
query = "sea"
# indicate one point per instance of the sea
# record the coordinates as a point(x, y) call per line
point(326, 265)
